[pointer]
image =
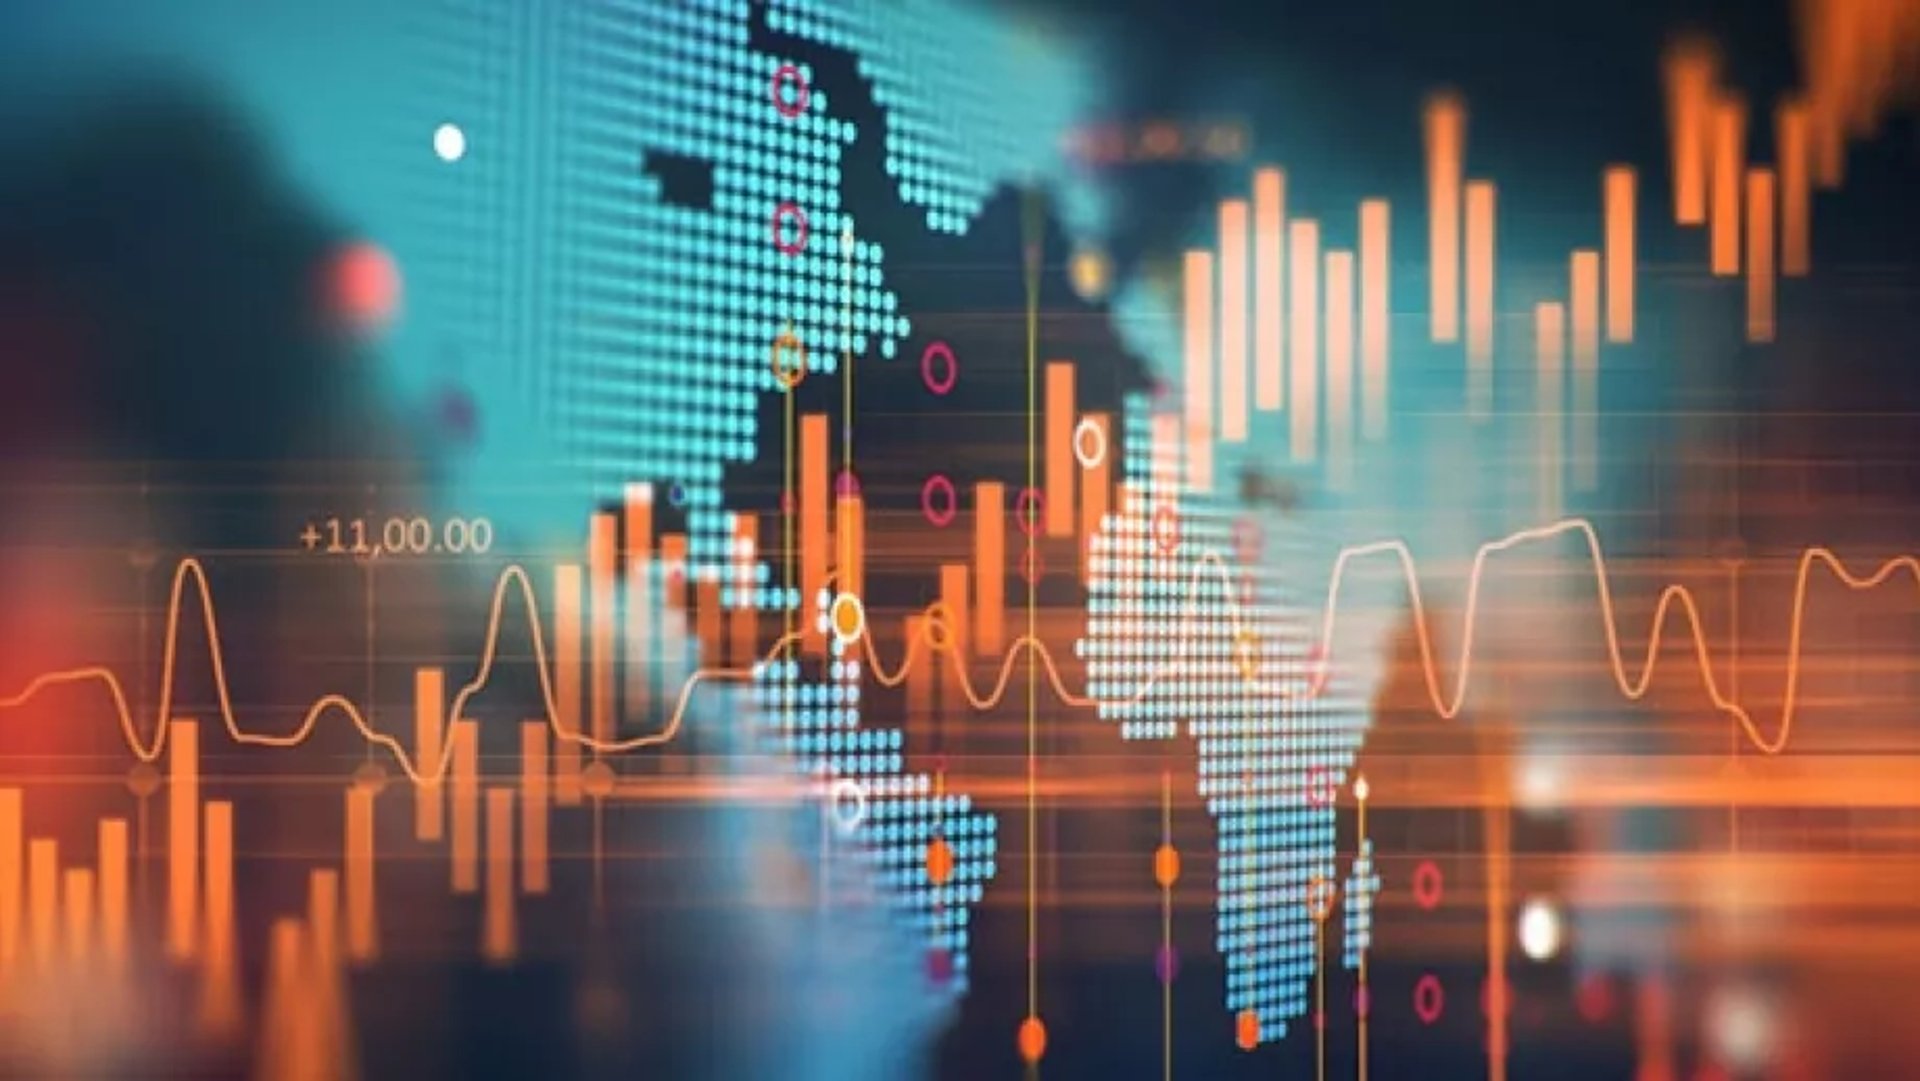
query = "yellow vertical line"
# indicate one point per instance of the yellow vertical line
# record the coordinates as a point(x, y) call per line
point(1166, 930)
point(1032, 239)
point(1366, 1001)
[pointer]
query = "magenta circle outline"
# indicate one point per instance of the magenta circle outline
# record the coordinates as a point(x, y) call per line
point(785, 210)
point(1427, 989)
point(933, 349)
point(1029, 507)
point(943, 520)
point(1428, 899)
point(786, 73)
point(1033, 566)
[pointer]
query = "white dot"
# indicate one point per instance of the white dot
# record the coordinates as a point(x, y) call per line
point(450, 142)
point(1539, 929)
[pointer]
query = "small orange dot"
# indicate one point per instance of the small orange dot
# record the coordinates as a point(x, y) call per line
point(1246, 1030)
point(1166, 865)
point(1033, 1040)
point(939, 862)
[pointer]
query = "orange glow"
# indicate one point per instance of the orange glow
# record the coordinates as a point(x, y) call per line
point(953, 629)
point(1199, 368)
point(1269, 327)
point(1303, 255)
point(744, 626)
point(1233, 321)
point(1446, 138)
point(1729, 163)
point(1480, 246)
point(1376, 316)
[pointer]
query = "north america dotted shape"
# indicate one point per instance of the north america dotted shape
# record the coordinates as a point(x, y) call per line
point(1165, 654)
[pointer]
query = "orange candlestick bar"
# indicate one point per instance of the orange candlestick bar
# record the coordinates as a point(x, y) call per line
point(12, 875)
point(533, 806)
point(602, 534)
point(1550, 325)
point(43, 899)
point(113, 890)
point(1480, 199)
point(1376, 316)
point(1058, 512)
point(1446, 139)
point(76, 899)
point(1760, 281)
point(851, 532)
point(744, 630)
point(1303, 255)
point(1585, 312)
point(497, 931)
point(990, 566)
point(1339, 368)
point(814, 552)
point(1233, 320)
point(183, 837)
point(465, 843)
point(1269, 327)
point(1729, 165)
point(707, 620)
point(1796, 196)
point(1619, 198)
point(323, 915)
point(220, 987)
point(919, 678)
point(566, 681)
point(363, 941)
point(1689, 77)
point(1096, 482)
point(953, 598)
point(639, 547)
point(1199, 369)
point(429, 720)
point(673, 586)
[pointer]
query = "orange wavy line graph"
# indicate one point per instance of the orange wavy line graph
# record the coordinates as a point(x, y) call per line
point(1446, 702)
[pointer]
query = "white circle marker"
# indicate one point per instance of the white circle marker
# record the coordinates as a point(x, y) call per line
point(449, 142)
point(1539, 929)
point(1089, 443)
point(847, 792)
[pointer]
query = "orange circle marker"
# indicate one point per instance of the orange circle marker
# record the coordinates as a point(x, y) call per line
point(788, 376)
point(939, 861)
point(1166, 866)
point(1033, 1040)
point(939, 626)
point(597, 780)
point(1246, 1030)
point(848, 616)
